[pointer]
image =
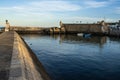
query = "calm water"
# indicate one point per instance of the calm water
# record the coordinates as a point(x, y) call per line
point(71, 57)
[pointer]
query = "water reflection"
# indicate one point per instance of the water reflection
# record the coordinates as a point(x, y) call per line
point(72, 38)
point(115, 39)
point(95, 40)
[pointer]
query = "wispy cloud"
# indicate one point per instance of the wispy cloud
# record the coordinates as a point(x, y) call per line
point(43, 6)
point(97, 4)
point(55, 6)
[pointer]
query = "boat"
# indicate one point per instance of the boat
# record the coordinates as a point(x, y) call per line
point(86, 35)
point(79, 34)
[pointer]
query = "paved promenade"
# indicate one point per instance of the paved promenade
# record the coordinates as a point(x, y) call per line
point(6, 48)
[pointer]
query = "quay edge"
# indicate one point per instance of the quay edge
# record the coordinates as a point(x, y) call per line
point(18, 61)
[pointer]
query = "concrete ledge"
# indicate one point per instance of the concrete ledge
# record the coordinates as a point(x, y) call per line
point(24, 63)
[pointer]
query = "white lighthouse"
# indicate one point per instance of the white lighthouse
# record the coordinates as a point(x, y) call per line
point(7, 27)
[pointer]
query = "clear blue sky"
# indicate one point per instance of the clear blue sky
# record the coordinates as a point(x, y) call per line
point(45, 13)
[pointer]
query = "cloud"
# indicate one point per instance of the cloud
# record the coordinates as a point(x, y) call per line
point(95, 4)
point(55, 6)
point(44, 6)
point(40, 13)
point(50, 12)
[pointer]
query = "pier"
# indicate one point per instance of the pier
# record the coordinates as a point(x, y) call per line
point(27, 29)
point(17, 61)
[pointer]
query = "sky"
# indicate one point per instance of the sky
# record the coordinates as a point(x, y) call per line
point(48, 13)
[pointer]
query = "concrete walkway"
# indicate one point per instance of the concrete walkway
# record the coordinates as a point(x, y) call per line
point(6, 48)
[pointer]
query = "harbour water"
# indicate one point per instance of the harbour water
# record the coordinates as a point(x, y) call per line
point(72, 57)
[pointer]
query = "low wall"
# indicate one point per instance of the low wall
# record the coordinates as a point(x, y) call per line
point(30, 66)
point(85, 28)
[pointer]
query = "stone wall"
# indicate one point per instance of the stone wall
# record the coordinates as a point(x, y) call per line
point(31, 68)
point(78, 28)
point(100, 27)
